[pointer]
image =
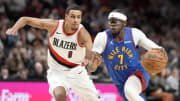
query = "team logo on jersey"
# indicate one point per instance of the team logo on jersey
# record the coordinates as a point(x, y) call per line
point(64, 44)
point(112, 43)
point(127, 41)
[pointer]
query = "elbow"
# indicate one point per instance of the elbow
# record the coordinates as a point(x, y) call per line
point(21, 22)
point(24, 19)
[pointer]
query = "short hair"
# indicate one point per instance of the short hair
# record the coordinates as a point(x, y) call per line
point(73, 7)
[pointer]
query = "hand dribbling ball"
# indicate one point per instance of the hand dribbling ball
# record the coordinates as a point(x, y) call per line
point(155, 60)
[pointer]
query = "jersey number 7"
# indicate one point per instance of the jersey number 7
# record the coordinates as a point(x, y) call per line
point(121, 58)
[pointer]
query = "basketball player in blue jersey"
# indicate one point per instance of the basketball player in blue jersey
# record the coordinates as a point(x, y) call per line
point(118, 48)
point(69, 46)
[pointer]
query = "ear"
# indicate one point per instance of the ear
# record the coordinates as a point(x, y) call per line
point(125, 23)
point(66, 16)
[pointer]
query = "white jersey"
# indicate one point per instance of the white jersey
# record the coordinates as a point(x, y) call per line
point(64, 49)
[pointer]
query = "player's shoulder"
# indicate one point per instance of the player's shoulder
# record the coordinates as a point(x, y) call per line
point(83, 32)
point(137, 32)
point(81, 25)
point(82, 29)
point(134, 29)
point(137, 35)
point(101, 35)
point(60, 21)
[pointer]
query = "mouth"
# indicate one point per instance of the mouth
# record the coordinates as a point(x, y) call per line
point(113, 28)
point(74, 24)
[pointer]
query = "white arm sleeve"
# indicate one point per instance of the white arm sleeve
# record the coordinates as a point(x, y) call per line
point(141, 40)
point(100, 42)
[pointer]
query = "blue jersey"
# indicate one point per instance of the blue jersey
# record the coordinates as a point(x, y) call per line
point(121, 58)
point(122, 61)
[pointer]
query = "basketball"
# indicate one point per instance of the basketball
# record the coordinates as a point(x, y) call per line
point(155, 60)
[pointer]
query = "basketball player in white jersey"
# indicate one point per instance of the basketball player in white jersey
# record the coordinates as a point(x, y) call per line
point(69, 46)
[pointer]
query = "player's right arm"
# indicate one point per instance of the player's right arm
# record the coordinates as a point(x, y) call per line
point(47, 24)
point(98, 48)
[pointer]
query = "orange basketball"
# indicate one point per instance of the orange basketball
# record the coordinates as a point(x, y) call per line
point(155, 60)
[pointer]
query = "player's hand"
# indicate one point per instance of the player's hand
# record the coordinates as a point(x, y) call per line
point(97, 59)
point(93, 63)
point(11, 31)
point(162, 50)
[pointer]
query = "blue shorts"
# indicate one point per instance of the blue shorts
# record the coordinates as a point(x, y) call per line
point(143, 75)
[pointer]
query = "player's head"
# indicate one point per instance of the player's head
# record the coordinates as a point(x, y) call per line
point(117, 20)
point(73, 16)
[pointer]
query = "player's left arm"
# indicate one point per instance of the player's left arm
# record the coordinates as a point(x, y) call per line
point(92, 59)
point(142, 40)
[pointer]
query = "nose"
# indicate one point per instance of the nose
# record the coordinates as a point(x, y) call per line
point(112, 24)
point(75, 20)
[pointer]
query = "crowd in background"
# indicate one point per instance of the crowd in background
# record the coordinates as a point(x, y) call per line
point(24, 57)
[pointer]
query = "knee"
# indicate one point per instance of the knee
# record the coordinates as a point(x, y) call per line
point(128, 92)
point(59, 94)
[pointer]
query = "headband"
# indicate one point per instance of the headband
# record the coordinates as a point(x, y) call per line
point(118, 15)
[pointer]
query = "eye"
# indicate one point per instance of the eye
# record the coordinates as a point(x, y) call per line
point(72, 16)
point(114, 21)
point(79, 17)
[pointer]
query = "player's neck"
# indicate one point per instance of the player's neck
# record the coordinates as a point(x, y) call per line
point(120, 36)
point(68, 29)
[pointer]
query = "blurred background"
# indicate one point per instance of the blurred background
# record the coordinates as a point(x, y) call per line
point(23, 58)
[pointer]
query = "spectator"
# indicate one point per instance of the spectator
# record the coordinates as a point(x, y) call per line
point(2, 58)
point(4, 74)
point(155, 89)
point(38, 73)
point(172, 80)
point(13, 61)
point(1, 45)
point(21, 75)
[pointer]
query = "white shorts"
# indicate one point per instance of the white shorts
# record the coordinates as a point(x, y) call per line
point(77, 79)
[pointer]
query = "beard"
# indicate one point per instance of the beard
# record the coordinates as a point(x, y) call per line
point(118, 32)
point(115, 34)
